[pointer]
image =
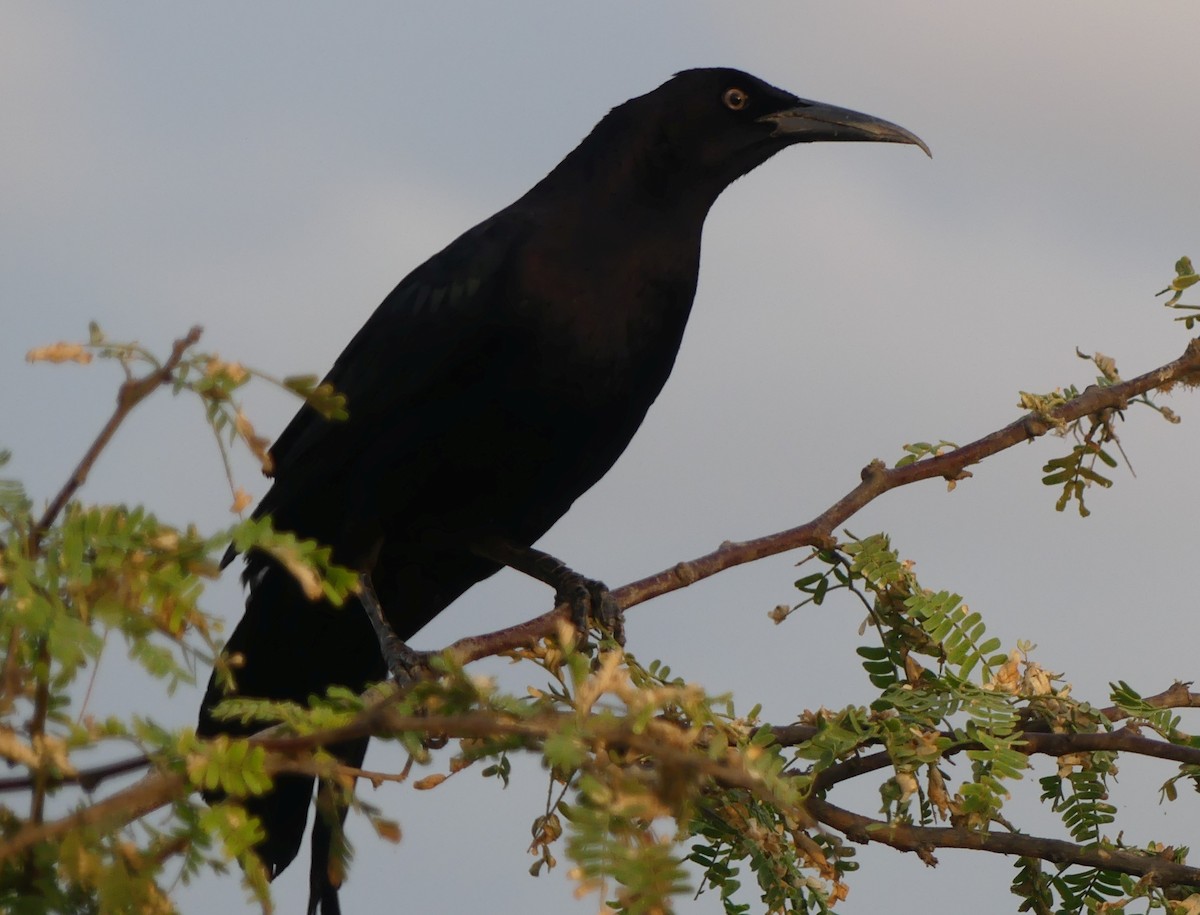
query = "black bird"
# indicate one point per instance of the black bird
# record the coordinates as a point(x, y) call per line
point(494, 386)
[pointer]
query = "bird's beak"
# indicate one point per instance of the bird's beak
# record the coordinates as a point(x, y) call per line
point(810, 122)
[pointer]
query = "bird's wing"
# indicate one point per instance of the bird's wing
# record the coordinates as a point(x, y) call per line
point(424, 333)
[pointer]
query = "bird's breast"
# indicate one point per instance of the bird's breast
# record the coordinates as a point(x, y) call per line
point(618, 314)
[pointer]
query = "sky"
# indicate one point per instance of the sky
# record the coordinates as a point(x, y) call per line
point(271, 170)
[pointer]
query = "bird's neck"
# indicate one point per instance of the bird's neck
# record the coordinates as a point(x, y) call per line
point(645, 179)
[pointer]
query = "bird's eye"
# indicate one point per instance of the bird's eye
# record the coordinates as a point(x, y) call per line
point(735, 99)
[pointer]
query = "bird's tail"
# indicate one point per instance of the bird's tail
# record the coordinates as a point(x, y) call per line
point(290, 649)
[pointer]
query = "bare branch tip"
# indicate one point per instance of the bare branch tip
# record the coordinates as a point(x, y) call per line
point(873, 470)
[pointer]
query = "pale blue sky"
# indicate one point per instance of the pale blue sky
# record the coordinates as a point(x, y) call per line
point(272, 170)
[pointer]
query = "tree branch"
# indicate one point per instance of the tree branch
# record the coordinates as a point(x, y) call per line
point(876, 480)
point(88, 779)
point(146, 796)
point(1176, 695)
point(923, 839)
point(1032, 743)
point(159, 788)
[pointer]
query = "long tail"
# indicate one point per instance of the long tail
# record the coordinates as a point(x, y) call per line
point(293, 648)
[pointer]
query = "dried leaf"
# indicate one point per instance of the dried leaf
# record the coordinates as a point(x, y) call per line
point(241, 499)
point(255, 442)
point(1107, 366)
point(1008, 677)
point(60, 352)
point(939, 797)
point(310, 582)
point(16, 750)
point(1036, 680)
point(234, 371)
point(388, 830)
point(907, 782)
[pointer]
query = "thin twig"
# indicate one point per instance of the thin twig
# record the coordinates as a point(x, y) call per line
point(10, 679)
point(37, 728)
point(129, 395)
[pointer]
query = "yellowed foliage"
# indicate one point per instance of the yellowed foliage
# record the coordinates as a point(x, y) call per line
point(241, 499)
point(15, 750)
point(255, 442)
point(1008, 677)
point(60, 352)
point(235, 371)
point(939, 797)
point(310, 582)
point(388, 830)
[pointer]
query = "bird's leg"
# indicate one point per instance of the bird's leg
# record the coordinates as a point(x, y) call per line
point(589, 599)
point(402, 662)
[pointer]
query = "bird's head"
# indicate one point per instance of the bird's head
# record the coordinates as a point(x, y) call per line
point(702, 129)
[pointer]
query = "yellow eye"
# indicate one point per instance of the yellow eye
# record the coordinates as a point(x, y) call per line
point(735, 99)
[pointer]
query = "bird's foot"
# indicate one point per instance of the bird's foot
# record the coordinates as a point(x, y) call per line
point(405, 664)
point(591, 602)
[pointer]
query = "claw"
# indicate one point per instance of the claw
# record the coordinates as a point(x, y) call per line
point(608, 613)
point(592, 602)
point(404, 664)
